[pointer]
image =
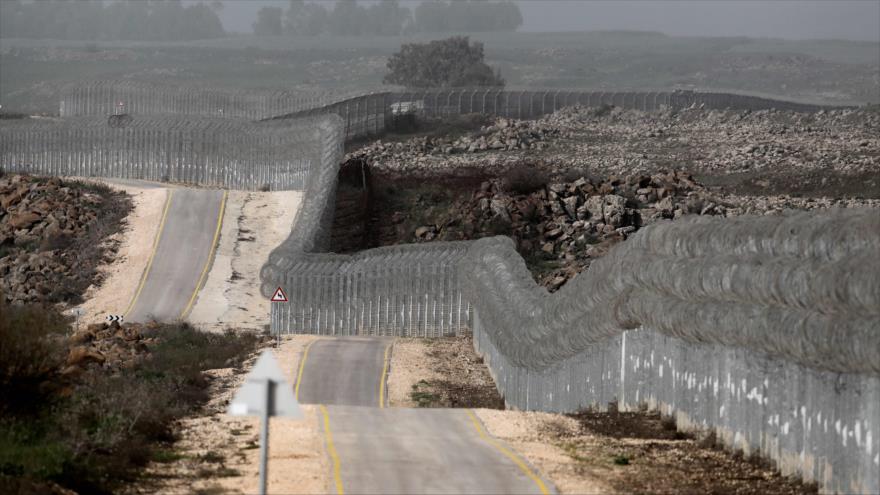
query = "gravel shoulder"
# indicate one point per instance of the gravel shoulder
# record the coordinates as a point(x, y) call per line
point(444, 372)
point(122, 275)
point(254, 224)
point(218, 453)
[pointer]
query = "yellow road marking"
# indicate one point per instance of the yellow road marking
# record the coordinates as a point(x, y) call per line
point(146, 273)
point(302, 365)
point(331, 449)
point(210, 259)
point(510, 455)
point(384, 376)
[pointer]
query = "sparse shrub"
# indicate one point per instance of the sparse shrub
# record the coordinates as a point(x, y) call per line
point(574, 174)
point(105, 425)
point(32, 347)
point(523, 179)
point(602, 110)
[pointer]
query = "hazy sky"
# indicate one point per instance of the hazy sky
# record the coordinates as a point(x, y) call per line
point(791, 19)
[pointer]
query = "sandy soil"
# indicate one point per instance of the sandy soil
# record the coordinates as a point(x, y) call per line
point(408, 366)
point(123, 275)
point(533, 436)
point(444, 372)
point(254, 224)
point(219, 454)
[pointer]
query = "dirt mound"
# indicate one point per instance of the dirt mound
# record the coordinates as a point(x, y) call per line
point(53, 235)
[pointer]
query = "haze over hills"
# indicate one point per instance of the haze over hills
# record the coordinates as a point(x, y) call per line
point(846, 19)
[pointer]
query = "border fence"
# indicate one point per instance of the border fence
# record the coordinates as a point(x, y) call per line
point(763, 331)
point(371, 113)
point(154, 98)
point(201, 151)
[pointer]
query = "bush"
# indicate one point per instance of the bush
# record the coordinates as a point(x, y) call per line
point(106, 425)
point(453, 62)
point(32, 349)
point(524, 179)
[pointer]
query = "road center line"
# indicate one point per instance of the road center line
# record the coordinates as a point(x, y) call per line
point(302, 365)
point(210, 259)
point(510, 455)
point(331, 449)
point(384, 377)
point(146, 273)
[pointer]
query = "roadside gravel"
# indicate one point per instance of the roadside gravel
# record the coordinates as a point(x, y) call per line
point(254, 224)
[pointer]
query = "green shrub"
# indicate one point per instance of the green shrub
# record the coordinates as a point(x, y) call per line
point(32, 349)
point(106, 425)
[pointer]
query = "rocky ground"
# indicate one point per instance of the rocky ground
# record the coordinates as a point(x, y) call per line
point(611, 141)
point(569, 186)
point(107, 346)
point(53, 236)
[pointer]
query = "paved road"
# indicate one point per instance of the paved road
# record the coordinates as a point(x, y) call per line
point(344, 371)
point(399, 450)
point(414, 451)
point(187, 239)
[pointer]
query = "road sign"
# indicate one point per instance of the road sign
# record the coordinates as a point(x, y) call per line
point(265, 393)
point(279, 295)
point(118, 318)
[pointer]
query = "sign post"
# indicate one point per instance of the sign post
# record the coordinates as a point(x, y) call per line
point(278, 297)
point(265, 393)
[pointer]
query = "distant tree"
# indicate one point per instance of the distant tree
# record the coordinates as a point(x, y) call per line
point(453, 62)
point(269, 22)
point(433, 16)
point(305, 19)
point(387, 18)
point(347, 19)
point(110, 20)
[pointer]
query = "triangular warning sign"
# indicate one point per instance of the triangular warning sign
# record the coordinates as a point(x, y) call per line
point(251, 398)
point(279, 295)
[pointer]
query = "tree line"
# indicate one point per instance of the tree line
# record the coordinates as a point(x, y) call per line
point(387, 18)
point(117, 20)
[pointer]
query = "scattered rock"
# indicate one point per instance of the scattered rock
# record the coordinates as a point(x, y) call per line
point(52, 235)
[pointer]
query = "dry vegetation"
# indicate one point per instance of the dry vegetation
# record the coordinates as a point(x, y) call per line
point(93, 430)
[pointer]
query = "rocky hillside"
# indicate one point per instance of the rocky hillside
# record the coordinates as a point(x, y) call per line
point(53, 236)
point(834, 153)
point(570, 185)
point(560, 225)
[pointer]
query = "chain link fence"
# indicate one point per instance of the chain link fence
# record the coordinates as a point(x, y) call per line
point(217, 152)
point(146, 98)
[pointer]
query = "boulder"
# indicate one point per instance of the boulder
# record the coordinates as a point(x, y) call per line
point(83, 336)
point(83, 355)
point(614, 210)
point(23, 220)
